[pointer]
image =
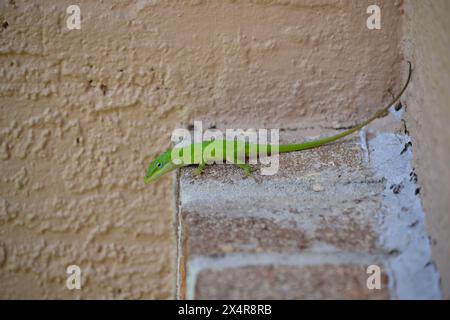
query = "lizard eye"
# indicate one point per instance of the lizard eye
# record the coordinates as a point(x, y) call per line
point(159, 165)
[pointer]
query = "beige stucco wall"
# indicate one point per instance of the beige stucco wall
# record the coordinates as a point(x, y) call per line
point(83, 111)
point(427, 44)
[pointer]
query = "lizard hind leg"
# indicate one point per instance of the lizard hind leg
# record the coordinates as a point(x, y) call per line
point(247, 170)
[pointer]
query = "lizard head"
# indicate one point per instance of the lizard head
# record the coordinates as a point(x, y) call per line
point(161, 165)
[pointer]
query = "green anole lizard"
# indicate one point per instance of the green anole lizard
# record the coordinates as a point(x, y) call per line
point(198, 155)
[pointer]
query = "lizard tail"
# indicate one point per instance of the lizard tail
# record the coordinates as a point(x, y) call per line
point(321, 142)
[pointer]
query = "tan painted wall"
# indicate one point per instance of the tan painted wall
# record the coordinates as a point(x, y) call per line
point(82, 112)
point(427, 44)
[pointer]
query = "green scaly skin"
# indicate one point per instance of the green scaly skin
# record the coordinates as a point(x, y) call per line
point(201, 154)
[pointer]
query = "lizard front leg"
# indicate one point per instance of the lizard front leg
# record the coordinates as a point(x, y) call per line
point(200, 169)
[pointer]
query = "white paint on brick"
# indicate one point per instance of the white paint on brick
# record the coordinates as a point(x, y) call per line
point(364, 147)
point(402, 222)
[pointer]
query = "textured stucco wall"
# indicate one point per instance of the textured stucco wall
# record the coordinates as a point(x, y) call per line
point(83, 111)
point(427, 44)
